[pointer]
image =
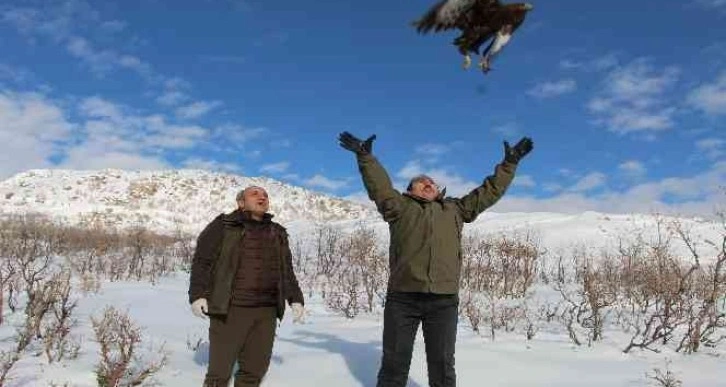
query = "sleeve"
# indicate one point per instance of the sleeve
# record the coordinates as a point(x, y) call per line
point(488, 193)
point(206, 253)
point(379, 187)
point(293, 292)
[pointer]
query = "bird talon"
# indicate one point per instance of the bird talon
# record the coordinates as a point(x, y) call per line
point(467, 62)
point(484, 66)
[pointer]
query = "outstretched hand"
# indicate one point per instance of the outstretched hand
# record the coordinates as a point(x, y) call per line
point(516, 153)
point(355, 145)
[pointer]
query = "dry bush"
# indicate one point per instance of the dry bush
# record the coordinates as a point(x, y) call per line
point(121, 363)
point(496, 277)
point(304, 264)
point(57, 342)
point(664, 379)
point(657, 297)
point(184, 245)
point(667, 299)
point(328, 244)
point(8, 359)
point(504, 265)
point(357, 282)
point(587, 295)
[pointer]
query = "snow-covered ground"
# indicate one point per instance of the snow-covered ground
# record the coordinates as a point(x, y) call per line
point(329, 350)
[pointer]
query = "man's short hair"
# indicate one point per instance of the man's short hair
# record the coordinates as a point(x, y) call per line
point(416, 179)
point(241, 193)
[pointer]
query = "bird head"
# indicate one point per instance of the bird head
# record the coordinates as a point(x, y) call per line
point(527, 6)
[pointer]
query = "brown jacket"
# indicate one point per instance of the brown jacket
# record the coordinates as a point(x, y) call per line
point(216, 259)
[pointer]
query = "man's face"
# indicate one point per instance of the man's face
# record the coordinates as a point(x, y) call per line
point(255, 200)
point(425, 188)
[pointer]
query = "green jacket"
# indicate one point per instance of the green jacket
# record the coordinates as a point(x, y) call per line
point(216, 258)
point(425, 236)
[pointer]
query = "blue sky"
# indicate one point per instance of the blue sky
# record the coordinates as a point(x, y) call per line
point(625, 101)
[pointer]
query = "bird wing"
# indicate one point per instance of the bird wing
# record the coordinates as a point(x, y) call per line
point(448, 14)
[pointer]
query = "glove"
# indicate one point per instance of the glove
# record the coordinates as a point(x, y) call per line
point(298, 313)
point(516, 153)
point(199, 307)
point(355, 145)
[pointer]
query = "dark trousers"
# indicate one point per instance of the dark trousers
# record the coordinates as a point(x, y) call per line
point(438, 315)
point(245, 335)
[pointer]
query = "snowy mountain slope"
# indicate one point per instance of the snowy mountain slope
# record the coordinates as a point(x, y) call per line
point(160, 200)
point(188, 199)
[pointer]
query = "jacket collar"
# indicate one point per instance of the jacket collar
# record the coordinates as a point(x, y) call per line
point(419, 199)
point(238, 217)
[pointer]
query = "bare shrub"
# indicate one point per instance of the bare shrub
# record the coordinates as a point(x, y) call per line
point(504, 265)
point(120, 362)
point(588, 296)
point(7, 275)
point(496, 276)
point(194, 342)
point(58, 344)
point(184, 245)
point(328, 242)
point(345, 288)
point(664, 379)
point(706, 318)
point(358, 280)
point(8, 359)
point(664, 296)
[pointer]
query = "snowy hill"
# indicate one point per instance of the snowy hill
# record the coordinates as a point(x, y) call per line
point(350, 348)
point(165, 201)
point(161, 200)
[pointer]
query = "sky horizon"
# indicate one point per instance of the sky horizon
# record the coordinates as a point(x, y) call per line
point(625, 103)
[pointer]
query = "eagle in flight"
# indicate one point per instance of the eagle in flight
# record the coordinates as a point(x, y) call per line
point(478, 21)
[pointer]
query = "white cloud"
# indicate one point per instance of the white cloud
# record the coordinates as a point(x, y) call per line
point(97, 107)
point(15, 74)
point(632, 168)
point(237, 135)
point(173, 92)
point(712, 3)
point(710, 97)
point(712, 147)
point(553, 88)
point(30, 125)
point(171, 97)
point(702, 195)
point(113, 25)
point(75, 25)
point(106, 135)
point(432, 149)
point(552, 187)
point(109, 125)
point(226, 59)
point(324, 182)
point(97, 158)
point(275, 167)
point(103, 62)
point(596, 64)
point(197, 109)
point(211, 165)
point(633, 98)
point(589, 182)
point(509, 129)
point(566, 172)
point(525, 181)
